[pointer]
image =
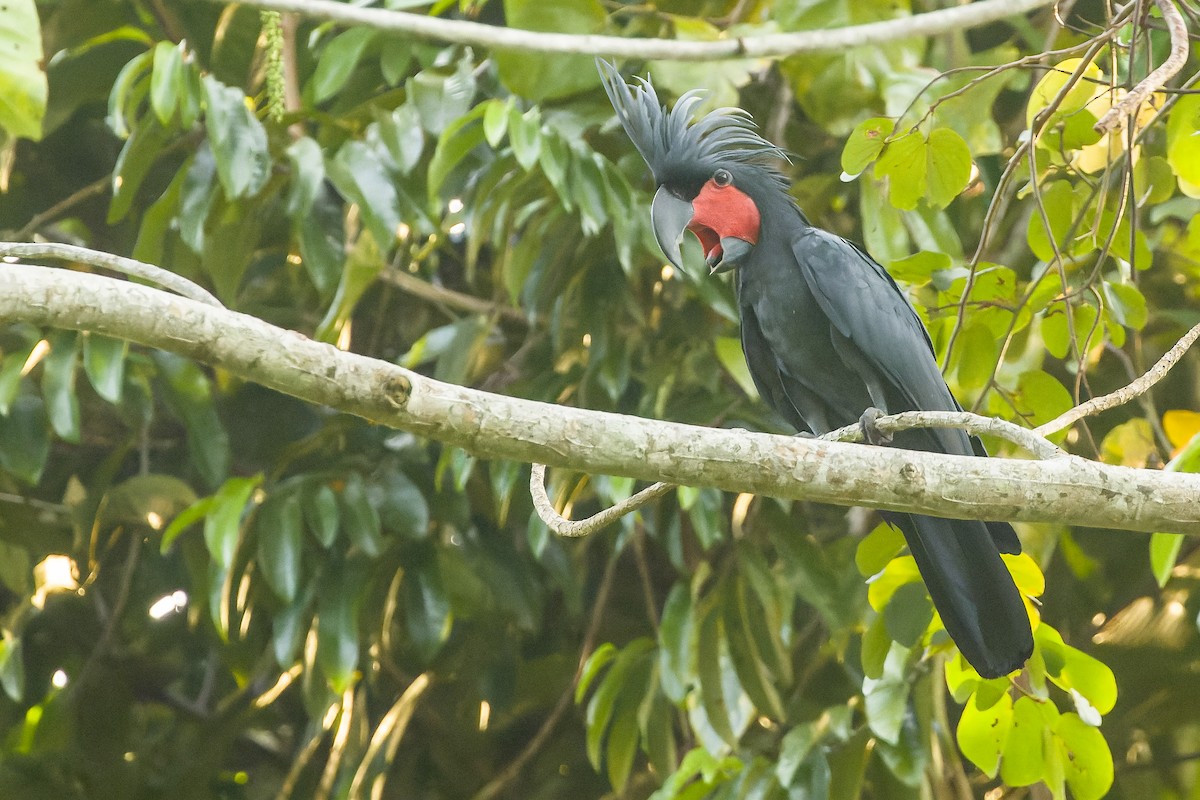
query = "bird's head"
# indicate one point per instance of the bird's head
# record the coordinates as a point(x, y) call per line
point(712, 171)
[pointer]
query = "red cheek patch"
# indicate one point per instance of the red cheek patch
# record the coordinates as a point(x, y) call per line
point(720, 211)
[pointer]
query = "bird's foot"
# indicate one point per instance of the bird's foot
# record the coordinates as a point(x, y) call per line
point(871, 430)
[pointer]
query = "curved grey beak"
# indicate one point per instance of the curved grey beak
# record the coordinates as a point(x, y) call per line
point(670, 215)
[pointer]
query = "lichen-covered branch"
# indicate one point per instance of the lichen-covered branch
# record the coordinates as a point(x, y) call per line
point(1067, 490)
point(932, 23)
point(1116, 116)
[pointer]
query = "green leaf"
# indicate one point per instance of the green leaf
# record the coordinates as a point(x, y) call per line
point(729, 353)
point(189, 395)
point(711, 669)
point(624, 731)
point(976, 356)
point(237, 138)
point(1183, 141)
point(166, 80)
point(495, 120)
point(359, 174)
point(441, 97)
point(793, 750)
point(1024, 758)
point(908, 614)
point(401, 134)
point(741, 614)
point(459, 139)
point(675, 633)
point(524, 134)
point(1053, 82)
point(337, 624)
point(1058, 200)
point(11, 367)
point(104, 364)
point(321, 514)
point(337, 61)
point(1126, 303)
point(919, 267)
point(865, 143)
point(308, 172)
point(1087, 761)
point(58, 385)
point(539, 77)
point(875, 646)
point(138, 154)
point(25, 439)
point(886, 698)
point(1164, 552)
point(22, 82)
point(280, 544)
point(427, 610)
point(223, 525)
point(600, 658)
point(1040, 397)
point(982, 733)
point(603, 704)
point(360, 517)
point(904, 163)
point(12, 668)
point(949, 168)
point(184, 520)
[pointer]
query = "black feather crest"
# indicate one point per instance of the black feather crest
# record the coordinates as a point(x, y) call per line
point(673, 142)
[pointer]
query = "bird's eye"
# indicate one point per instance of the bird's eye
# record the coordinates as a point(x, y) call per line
point(722, 177)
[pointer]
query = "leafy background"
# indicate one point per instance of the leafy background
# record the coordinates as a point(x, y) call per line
point(210, 589)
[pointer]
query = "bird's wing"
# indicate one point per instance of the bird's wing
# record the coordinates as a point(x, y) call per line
point(866, 307)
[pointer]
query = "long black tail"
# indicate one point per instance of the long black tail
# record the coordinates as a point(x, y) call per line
point(971, 589)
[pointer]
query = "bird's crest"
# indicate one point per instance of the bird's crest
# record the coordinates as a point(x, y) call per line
point(675, 142)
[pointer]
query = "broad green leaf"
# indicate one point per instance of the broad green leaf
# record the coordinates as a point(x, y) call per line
point(337, 61)
point(185, 519)
point(976, 356)
point(196, 198)
point(137, 156)
point(495, 120)
point(22, 82)
point(675, 633)
point(58, 385)
point(1058, 200)
point(189, 394)
point(949, 169)
point(539, 77)
point(281, 544)
point(982, 733)
point(401, 134)
point(223, 525)
point(360, 175)
point(602, 706)
point(11, 367)
point(711, 669)
point(308, 172)
point(908, 613)
point(886, 698)
point(1024, 760)
point(321, 514)
point(919, 267)
point(1040, 397)
point(875, 646)
point(1183, 141)
point(427, 610)
point(337, 624)
point(905, 162)
point(166, 80)
point(25, 439)
point(1164, 552)
point(459, 139)
point(238, 140)
point(1126, 303)
point(729, 353)
point(524, 134)
point(899, 571)
point(104, 363)
point(12, 668)
point(657, 720)
point(360, 518)
point(442, 96)
point(1053, 82)
point(1086, 759)
point(794, 749)
point(624, 732)
point(600, 658)
point(741, 614)
point(865, 143)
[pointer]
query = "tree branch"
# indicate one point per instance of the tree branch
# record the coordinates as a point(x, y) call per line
point(971, 423)
point(583, 527)
point(1068, 490)
point(971, 15)
point(1125, 393)
point(1116, 116)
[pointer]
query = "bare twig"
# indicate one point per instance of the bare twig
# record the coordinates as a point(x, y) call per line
point(583, 527)
point(963, 420)
point(126, 266)
point(1116, 116)
point(67, 203)
point(971, 15)
point(448, 297)
point(1126, 393)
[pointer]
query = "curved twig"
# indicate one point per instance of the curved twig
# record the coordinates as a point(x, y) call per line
point(1116, 116)
point(1125, 393)
point(126, 266)
point(582, 527)
point(971, 15)
point(962, 420)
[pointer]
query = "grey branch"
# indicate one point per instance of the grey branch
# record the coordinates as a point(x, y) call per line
point(971, 423)
point(1125, 393)
point(583, 527)
point(958, 17)
point(126, 266)
point(1067, 490)
point(1116, 116)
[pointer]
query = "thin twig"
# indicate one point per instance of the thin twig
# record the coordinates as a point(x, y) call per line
point(448, 297)
point(38, 220)
point(583, 527)
point(962, 420)
point(971, 15)
point(1126, 393)
point(126, 266)
point(1117, 116)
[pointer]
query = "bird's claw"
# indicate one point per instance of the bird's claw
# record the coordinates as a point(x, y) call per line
point(871, 430)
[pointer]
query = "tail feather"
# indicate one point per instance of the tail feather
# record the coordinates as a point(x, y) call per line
point(971, 589)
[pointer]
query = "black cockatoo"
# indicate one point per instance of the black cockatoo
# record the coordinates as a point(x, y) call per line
point(828, 337)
